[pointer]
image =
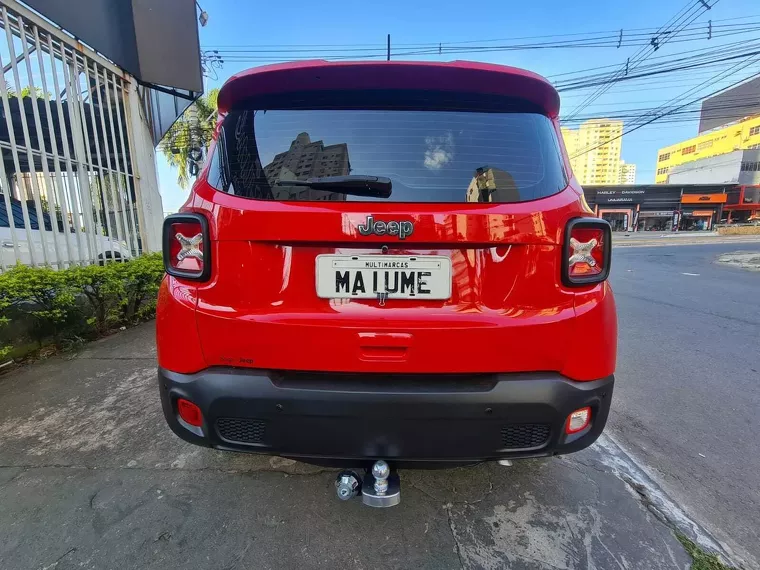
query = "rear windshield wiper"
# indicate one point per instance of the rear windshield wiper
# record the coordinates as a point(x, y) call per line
point(357, 185)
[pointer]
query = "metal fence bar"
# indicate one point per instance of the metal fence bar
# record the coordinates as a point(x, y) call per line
point(112, 184)
point(81, 149)
point(95, 196)
point(17, 168)
point(9, 210)
point(136, 247)
point(117, 186)
point(101, 179)
point(38, 210)
point(43, 154)
point(56, 175)
point(25, 132)
point(66, 154)
point(86, 191)
point(60, 197)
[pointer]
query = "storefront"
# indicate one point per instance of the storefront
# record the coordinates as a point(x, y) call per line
point(700, 212)
point(668, 207)
point(742, 206)
point(620, 220)
point(656, 221)
point(696, 220)
point(619, 206)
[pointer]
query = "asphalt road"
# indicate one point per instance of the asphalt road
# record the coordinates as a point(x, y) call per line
point(687, 396)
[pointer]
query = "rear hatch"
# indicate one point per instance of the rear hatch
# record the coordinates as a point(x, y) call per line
point(361, 229)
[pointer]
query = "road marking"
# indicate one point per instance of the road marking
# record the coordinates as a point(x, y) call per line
point(691, 274)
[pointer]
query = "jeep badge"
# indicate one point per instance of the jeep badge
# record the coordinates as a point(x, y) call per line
point(379, 228)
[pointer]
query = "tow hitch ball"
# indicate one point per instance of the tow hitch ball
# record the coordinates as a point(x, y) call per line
point(379, 486)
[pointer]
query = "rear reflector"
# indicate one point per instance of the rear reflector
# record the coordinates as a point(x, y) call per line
point(189, 412)
point(587, 251)
point(578, 420)
point(187, 247)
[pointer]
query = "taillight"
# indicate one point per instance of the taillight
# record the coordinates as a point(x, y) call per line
point(586, 252)
point(187, 246)
point(189, 412)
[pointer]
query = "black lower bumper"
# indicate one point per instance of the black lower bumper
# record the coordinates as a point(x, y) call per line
point(350, 419)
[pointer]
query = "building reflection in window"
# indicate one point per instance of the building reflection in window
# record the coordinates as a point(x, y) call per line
point(492, 185)
point(303, 160)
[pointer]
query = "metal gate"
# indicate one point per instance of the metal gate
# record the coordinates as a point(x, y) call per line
point(69, 190)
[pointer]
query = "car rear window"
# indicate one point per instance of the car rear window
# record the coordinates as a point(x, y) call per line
point(428, 155)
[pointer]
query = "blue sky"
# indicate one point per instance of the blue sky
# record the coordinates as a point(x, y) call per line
point(329, 22)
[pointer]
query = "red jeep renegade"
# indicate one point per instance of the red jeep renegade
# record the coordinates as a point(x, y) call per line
point(387, 261)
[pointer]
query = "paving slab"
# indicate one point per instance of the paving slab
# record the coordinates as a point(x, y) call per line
point(91, 477)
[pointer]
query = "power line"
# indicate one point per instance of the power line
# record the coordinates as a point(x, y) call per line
point(708, 57)
point(350, 51)
point(666, 113)
point(693, 53)
point(632, 32)
point(264, 57)
point(624, 69)
point(659, 72)
point(663, 36)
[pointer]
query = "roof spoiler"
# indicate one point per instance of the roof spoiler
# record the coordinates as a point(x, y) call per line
point(455, 76)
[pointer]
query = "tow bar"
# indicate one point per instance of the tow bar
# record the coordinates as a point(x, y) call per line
point(379, 487)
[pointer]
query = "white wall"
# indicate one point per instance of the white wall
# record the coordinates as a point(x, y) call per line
point(150, 207)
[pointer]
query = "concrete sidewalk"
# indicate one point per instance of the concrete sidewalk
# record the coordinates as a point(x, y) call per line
point(91, 477)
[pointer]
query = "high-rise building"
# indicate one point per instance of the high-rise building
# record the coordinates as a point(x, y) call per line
point(594, 150)
point(742, 135)
point(627, 173)
point(730, 106)
point(306, 159)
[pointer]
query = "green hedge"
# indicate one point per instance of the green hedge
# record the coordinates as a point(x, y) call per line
point(50, 306)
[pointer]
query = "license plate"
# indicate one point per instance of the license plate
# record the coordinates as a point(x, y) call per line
point(390, 276)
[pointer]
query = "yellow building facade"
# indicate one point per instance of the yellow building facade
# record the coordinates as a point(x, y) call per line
point(594, 150)
point(742, 135)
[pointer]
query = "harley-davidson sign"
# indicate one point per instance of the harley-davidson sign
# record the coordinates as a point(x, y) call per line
point(621, 196)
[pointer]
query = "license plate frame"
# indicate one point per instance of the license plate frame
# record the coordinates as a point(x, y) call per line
point(405, 274)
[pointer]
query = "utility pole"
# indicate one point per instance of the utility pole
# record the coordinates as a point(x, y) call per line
point(389, 48)
point(209, 62)
point(194, 156)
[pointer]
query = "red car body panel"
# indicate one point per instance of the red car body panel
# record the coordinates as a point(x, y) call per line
point(509, 311)
point(506, 290)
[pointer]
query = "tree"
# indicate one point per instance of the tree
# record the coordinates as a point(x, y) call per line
point(25, 91)
point(196, 124)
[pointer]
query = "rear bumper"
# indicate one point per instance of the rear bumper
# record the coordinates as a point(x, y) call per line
point(351, 419)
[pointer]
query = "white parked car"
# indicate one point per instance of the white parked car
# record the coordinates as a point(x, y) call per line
point(77, 249)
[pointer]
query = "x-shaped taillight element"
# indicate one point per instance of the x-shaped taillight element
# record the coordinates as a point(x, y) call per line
point(190, 246)
point(582, 251)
